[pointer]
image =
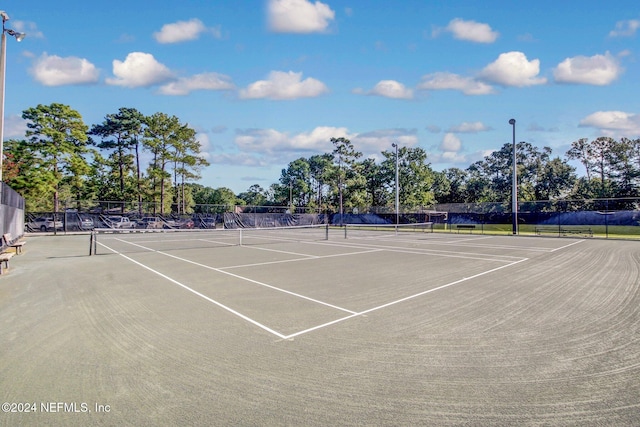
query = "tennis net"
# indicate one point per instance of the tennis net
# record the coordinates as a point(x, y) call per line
point(376, 231)
point(135, 240)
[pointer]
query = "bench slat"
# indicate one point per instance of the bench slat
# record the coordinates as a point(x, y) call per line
point(17, 245)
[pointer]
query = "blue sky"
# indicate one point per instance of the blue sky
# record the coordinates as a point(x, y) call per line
point(265, 82)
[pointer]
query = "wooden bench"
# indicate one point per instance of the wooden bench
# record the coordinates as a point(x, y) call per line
point(4, 259)
point(17, 244)
point(469, 227)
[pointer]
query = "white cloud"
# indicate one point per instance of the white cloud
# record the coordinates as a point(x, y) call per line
point(513, 69)
point(450, 143)
point(599, 70)
point(272, 144)
point(318, 139)
point(205, 81)
point(182, 31)
point(52, 70)
point(615, 122)
point(444, 81)
point(390, 89)
point(281, 85)
point(452, 157)
point(298, 16)
point(471, 31)
point(238, 159)
point(371, 144)
point(139, 69)
point(270, 141)
point(469, 127)
point(625, 28)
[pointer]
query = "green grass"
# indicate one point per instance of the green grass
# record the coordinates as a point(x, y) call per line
point(600, 231)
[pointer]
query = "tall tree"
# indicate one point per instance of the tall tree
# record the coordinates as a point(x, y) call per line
point(24, 172)
point(117, 133)
point(58, 136)
point(161, 135)
point(187, 163)
point(451, 187)
point(345, 172)
point(319, 167)
point(375, 183)
point(602, 152)
point(296, 179)
point(556, 178)
point(415, 176)
point(580, 150)
point(254, 196)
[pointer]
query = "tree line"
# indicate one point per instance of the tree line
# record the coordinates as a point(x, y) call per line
point(63, 159)
point(339, 178)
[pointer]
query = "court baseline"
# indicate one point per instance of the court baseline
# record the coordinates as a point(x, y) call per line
point(351, 314)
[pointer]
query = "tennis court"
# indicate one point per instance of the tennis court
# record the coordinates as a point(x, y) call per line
point(322, 327)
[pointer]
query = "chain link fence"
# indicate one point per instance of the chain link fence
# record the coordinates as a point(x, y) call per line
point(595, 217)
point(11, 211)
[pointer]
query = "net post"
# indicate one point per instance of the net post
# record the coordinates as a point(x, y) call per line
point(345, 230)
point(93, 243)
point(326, 232)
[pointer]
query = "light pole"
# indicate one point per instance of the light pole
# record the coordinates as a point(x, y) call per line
point(3, 54)
point(394, 145)
point(514, 184)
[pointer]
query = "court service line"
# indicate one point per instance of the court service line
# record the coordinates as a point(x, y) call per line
point(468, 239)
point(566, 246)
point(470, 245)
point(237, 276)
point(324, 325)
point(229, 309)
point(281, 252)
point(300, 259)
point(425, 251)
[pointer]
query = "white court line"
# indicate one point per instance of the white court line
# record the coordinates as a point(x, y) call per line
point(425, 251)
point(229, 309)
point(470, 239)
point(402, 300)
point(300, 259)
point(282, 252)
point(290, 336)
point(566, 246)
point(243, 278)
point(470, 245)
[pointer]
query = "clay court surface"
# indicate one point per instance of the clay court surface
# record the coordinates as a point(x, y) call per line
point(377, 329)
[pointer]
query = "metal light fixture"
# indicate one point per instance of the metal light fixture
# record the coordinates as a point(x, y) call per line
point(514, 184)
point(3, 50)
point(394, 145)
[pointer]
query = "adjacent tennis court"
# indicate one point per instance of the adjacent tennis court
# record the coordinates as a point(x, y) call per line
point(323, 326)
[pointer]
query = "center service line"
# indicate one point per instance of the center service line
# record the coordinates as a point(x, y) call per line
point(229, 309)
point(242, 278)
